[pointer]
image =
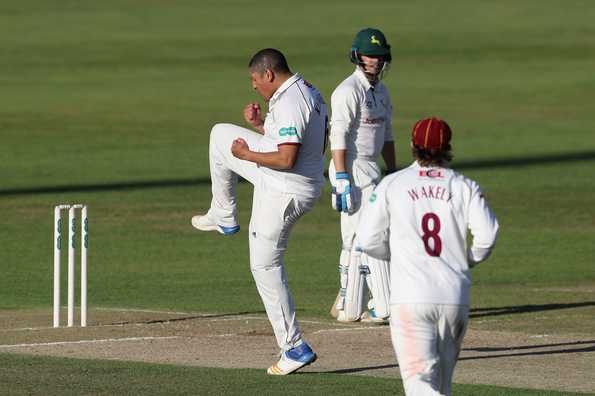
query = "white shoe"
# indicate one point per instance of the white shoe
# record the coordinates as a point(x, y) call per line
point(293, 360)
point(342, 317)
point(203, 223)
point(370, 317)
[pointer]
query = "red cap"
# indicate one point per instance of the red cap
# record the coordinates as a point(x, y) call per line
point(431, 133)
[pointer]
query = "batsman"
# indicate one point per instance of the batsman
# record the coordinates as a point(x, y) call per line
point(361, 131)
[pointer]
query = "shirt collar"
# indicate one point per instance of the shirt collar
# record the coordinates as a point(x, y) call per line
point(361, 76)
point(283, 88)
point(416, 164)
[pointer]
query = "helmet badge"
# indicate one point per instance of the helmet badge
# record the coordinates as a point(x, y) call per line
point(374, 40)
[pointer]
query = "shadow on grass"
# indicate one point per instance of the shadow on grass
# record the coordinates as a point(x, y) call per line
point(99, 187)
point(524, 347)
point(497, 352)
point(519, 309)
point(525, 161)
point(136, 185)
point(586, 349)
point(589, 346)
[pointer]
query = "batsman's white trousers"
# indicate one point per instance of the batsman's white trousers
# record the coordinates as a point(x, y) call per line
point(365, 175)
point(427, 339)
point(273, 215)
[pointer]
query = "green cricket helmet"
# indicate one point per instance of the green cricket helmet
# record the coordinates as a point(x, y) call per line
point(369, 42)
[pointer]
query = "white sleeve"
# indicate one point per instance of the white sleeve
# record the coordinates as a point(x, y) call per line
point(388, 132)
point(372, 235)
point(291, 121)
point(483, 226)
point(344, 112)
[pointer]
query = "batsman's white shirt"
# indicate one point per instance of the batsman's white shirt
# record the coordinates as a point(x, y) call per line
point(360, 124)
point(425, 213)
point(361, 119)
point(297, 113)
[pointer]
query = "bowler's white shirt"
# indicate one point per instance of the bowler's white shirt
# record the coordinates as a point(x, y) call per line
point(361, 117)
point(297, 114)
point(424, 211)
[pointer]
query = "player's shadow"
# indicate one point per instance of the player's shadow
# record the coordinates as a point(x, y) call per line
point(530, 350)
point(516, 351)
point(519, 309)
point(360, 369)
point(488, 353)
point(516, 162)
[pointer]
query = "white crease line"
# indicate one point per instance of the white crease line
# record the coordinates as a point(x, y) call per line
point(146, 311)
point(87, 341)
point(351, 329)
point(27, 329)
point(326, 323)
point(231, 318)
point(213, 318)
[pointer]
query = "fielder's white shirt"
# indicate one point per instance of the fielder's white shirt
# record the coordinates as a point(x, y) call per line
point(425, 213)
point(361, 117)
point(297, 115)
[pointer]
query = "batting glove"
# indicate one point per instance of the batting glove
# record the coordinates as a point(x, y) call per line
point(341, 199)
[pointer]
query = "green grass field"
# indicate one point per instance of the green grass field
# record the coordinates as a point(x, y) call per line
point(111, 103)
point(66, 377)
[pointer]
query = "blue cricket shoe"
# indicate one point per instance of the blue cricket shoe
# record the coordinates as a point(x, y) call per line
point(293, 360)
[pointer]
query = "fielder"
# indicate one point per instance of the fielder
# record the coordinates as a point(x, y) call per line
point(424, 211)
point(361, 130)
point(284, 162)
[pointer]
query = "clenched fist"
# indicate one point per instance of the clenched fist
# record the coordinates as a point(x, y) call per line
point(239, 148)
point(253, 116)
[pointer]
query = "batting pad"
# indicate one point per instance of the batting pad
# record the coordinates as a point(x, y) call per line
point(354, 291)
point(378, 281)
point(378, 245)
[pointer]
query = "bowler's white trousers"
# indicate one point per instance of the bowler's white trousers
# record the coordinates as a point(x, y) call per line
point(427, 339)
point(274, 213)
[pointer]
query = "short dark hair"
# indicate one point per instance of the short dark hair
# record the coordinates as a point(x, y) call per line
point(435, 157)
point(271, 59)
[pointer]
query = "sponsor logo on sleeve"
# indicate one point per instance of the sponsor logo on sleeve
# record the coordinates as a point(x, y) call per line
point(289, 131)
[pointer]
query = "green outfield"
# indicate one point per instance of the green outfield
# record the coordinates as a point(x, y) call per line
point(65, 377)
point(111, 103)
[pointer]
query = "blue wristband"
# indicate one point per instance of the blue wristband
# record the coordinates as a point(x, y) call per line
point(342, 176)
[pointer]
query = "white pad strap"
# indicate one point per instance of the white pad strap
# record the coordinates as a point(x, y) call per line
point(343, 269)
point(378, 281)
